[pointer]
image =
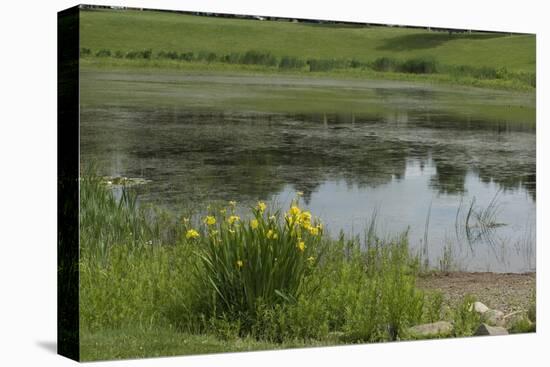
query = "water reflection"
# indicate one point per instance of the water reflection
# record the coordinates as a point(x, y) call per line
point(345, 164)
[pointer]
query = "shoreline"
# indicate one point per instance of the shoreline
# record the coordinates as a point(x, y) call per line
point(434, 79)
point(508, 292)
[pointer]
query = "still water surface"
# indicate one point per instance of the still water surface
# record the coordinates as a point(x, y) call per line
point(408, 155)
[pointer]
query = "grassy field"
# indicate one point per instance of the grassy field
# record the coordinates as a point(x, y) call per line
point(138, 39)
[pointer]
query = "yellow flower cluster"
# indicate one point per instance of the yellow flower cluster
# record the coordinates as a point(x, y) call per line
point(261, 206)
point(271, 235)
point(254, 223)
point(210, 220)
point(240, 264)
point(191, 233)
point(233, 218)
point(294, 211)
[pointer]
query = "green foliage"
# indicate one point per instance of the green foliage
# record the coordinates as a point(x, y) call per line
point(258, 58)
point(274, 276)
point(291, 63)
point(136, 286)
point(85, 52)
point(418, 65)
point(522, 325)
point(103, 53)
point(465, 319)
point(247, 263)
point(384, 64)
point(207, 56)
point(325, 64)
point(433, 307)
point(388, 301)
point(304, 320)
point(143, 54)
point(106, 221)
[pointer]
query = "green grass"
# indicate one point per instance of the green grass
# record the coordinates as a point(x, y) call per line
point(217, 284)
point(131, 342)
point(481, 59)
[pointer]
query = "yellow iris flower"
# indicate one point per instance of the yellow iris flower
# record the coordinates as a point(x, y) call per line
point(261, 206)
point(191, 234)
point(233, 218)
point(210, 220)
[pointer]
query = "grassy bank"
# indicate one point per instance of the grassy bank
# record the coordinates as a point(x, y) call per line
point(152, 284)
point(166, 40)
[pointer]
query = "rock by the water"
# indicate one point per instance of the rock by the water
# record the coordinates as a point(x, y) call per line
point(485, 329)
point(480, 308)
point(493, 318)
point(435, 329)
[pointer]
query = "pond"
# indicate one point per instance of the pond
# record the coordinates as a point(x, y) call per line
point(455, 167)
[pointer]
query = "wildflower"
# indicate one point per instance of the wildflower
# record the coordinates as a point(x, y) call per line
point(254, 223)
point(210, 220)
point(185, 220)
point(191, 234)
point(223, 211)
point(233, 218)
point(301, 246)
point(261, 206)
point(240, 264)
point(305, 217)
point(311, 259)
point(271, 234)
point(294, 210)
point(313, 231)
point(233, 203)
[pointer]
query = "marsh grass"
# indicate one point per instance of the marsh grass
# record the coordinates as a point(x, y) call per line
point(465, 319)
point(273, 276)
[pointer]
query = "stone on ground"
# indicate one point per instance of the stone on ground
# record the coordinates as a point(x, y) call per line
point(435, 329)
point(493, 318)
point(480, 308)
point(485, 329)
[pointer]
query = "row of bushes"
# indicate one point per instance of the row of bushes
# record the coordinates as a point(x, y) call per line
point(415, 66)
point(253, 57)
point(419, 65)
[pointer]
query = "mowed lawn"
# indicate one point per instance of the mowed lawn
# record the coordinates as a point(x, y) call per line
point(125, 30)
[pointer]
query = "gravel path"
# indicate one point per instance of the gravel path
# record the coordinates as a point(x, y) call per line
point(505, 292)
